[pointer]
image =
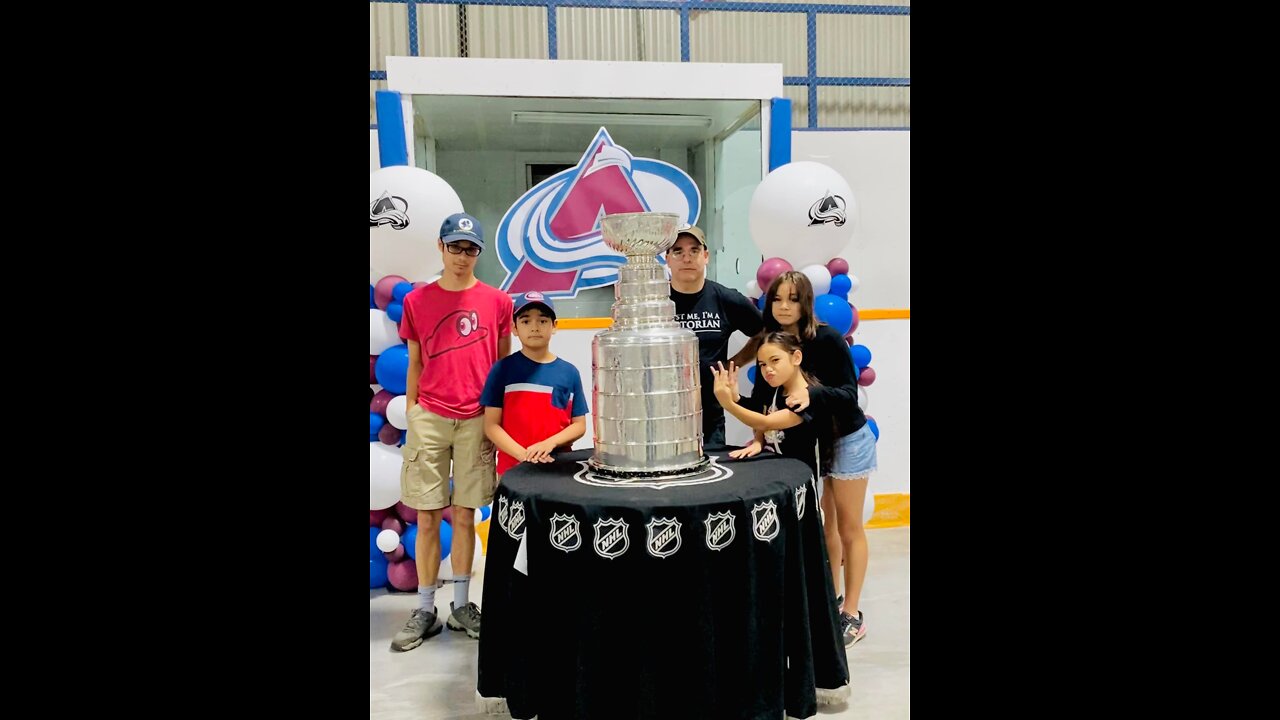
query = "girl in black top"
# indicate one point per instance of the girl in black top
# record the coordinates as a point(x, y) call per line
point(805, 435)
point(789, 308)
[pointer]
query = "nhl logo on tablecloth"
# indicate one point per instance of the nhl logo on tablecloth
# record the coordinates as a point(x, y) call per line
point(764, 521)
point(664, 537)
point(720, 530)
point(515, 520)
point(564, 532)
point(611, 538)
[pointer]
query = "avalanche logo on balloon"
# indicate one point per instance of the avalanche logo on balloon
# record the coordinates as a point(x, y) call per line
point(389, 210)
point(830, 209)
point(549, 240)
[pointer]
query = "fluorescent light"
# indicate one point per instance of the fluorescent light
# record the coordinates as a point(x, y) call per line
point(528, 117)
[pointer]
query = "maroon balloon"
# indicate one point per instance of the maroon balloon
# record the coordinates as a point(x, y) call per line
point(377, 516)
point(850, 341)
point(403, 574)
point(838, 266)
point(382, 290)
point(866, 376)
point(854, 326)
point(393, 523)
point(448, 514)
point(373, 360)
point(389, 434)
point(406, 513)
point(379, 403)
point(395, 555)
point(770, 269)
point(420, 283)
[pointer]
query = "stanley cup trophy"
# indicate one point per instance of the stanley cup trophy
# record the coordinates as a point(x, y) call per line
point(644, 369)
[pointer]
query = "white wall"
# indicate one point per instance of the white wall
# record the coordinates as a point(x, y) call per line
point(877, 165)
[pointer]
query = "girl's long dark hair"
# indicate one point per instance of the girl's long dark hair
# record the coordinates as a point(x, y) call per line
point(808, 322)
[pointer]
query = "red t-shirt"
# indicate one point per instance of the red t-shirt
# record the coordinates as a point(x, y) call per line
point(458, 332)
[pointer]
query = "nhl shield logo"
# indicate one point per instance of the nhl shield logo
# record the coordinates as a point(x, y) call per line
point(611, 538)
point(664, 537)
point(764, 521)
point(800, 495)
point(515, 520)
point(502, 512)
point(564, 532)
point(719, 530)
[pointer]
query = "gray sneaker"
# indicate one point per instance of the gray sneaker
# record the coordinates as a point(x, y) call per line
point(466, 618)
point(421, 625)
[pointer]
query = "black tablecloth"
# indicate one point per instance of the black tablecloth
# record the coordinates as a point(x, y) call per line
point(695, 601)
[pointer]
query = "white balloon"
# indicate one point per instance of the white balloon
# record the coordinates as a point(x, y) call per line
point(383, 332)
point(863, 399)
point(753, 289)
point(820, 276)
point(802, 212)
point(384, 476)
point(854, 283)
point(868, 507)
point(396, 413)
point(388, 540)
point(406, 207)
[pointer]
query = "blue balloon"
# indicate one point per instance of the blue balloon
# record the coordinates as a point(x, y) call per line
point(392, 369)
point(404, 435)
point(410, 539)
point(394, 311)
point(875, 429)
point(485, 512)
point(841, 285)
point(377, 561)
point(376, 422)
point(751, 374)
point(372, 304)
point(861, 356)
point(834, 311)
point(446, 539)
point(400, 290)
point(760, 302)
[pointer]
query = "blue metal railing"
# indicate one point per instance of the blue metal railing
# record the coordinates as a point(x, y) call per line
point(811, 79)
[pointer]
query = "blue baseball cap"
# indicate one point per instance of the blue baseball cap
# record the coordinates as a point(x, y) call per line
point(461, 226)
point(533, 299)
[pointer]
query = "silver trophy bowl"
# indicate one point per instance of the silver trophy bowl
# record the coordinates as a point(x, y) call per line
point(644, 370)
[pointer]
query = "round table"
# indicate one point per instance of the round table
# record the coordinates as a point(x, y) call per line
point(707, 598)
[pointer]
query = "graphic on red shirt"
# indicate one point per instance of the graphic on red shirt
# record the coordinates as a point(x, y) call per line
point(458, 329)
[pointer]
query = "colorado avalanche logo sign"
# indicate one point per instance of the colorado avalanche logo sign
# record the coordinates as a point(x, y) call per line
point(549, 240)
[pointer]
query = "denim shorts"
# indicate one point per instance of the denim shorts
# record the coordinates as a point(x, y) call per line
point(854, 455)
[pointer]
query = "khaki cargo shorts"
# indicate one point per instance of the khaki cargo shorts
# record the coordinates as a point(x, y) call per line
point(433, 442)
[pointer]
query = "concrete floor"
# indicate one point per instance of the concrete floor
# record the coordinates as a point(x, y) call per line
point(437, 680)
